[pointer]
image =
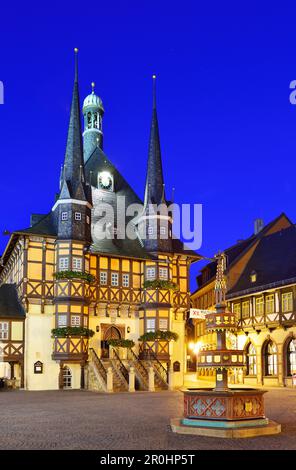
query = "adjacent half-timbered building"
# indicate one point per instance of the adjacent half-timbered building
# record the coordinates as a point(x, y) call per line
point(261, 275)
point(80, 290)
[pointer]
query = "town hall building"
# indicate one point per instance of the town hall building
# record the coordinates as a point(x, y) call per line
point(74, 305)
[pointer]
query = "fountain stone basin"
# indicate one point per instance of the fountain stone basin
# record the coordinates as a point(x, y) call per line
point(232, 404)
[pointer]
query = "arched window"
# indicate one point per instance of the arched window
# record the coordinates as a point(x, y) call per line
point(291, 357)
point(89, 120)
point(270, 359)
point(95, 120)
point(251, 360)
point(67, 377)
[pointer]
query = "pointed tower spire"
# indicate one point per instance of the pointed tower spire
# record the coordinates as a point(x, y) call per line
point(154, 189)
point(220, 282)
point(74, 149)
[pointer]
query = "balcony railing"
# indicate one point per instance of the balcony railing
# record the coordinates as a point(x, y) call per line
point(71, 348)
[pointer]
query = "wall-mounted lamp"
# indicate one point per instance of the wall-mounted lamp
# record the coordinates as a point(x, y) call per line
point(97, 328)
point(128, 329)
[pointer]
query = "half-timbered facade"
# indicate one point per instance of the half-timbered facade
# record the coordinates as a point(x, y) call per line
point(262, 294)
point(72, 282)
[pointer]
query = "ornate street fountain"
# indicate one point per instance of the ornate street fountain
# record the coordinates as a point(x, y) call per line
point(222, 411)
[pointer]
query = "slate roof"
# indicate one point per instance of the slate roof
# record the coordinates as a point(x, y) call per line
point(10, 305)
point(273, 261)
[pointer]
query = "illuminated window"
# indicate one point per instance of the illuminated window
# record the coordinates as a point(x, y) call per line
point(85, 323)
point(270, 358)
point(251, 360)
point(103, 278)
point(253, 276)
point(150, 324)
point(163, 324)
point(77, 215)
point(3, 330)
point(259, 306)
point(150, 273)
point(114, 279)
point(125, 280)
point(64, 215)
point(63, 264)
point(291, 358)
point(75, 320)
point(163, 273)
point(245, 309)
point(77, 264)
point(269, 303)
point(62, 321)
point(237, 310)
point(287, 302)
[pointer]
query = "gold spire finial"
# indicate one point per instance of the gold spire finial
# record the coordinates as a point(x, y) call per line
point(75, 50)
point(154, 77)
point(93, 86)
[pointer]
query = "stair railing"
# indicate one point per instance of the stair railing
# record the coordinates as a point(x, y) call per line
point(120, 365)
point(99, 365)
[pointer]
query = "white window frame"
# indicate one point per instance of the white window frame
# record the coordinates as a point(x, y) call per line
point(150, 230)
point(103, 278)
point(163, 273)
point(246, 309)
point(150, 273)
point(259, 306)
point(114, 279)
point(77, 264)
point(63, 264)
point(125, 280)
point(78, 216)
point(150, 325)
point(64, 216)
point(75, 320)
point(62, 320)
point(4, 330)
point(163, 321)
point(269, 304)
point(287, 302)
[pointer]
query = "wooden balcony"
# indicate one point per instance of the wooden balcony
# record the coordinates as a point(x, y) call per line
point(11, 350)
point(149, 350)
point(77, 289)
point(72, 348)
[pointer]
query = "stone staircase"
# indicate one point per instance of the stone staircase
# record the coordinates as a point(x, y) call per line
point(97, 372)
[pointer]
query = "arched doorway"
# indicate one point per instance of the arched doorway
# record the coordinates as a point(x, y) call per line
point(67, 378)
point(110, 333)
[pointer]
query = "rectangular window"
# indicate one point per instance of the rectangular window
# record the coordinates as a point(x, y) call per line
point(237, 310)
point(62, 321)
point(163, 273)
point(287, 302)
point(103, 278)
point(85, 321)
point(245, 309)
point(63, 264)
point(114, 279)
point(150, 230)
point(269, 304)
point(64, 215)
point(162, 231)
point(150, 324)
point(150, 273)
point(77, 264)
point(259, 306)
point(75, 320)
point(77, 215)
point(163, 324)
point(3, 330)
point(125, 280)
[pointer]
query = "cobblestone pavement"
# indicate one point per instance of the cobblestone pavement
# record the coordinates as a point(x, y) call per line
point(88, 420)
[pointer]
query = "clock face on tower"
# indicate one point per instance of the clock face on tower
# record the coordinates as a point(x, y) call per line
point(105, 181)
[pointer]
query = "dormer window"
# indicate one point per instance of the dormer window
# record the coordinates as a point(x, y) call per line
point(253, 276)
point(105, 181)
point(77, 215)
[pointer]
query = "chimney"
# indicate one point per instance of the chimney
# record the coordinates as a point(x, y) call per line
point(258, 226)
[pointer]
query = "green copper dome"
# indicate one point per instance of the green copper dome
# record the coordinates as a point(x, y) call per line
point(93, 100)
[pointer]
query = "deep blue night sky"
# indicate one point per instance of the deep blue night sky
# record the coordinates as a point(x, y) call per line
point(227, 127)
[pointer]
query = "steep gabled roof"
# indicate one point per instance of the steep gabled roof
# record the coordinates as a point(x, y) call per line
point(10, 305)
point(273, 262)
